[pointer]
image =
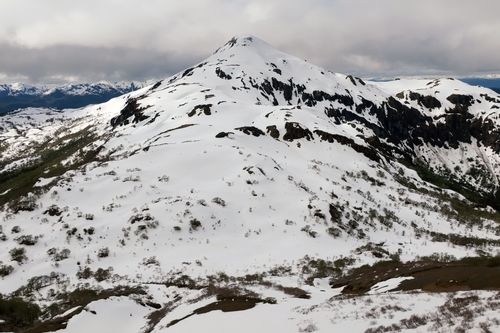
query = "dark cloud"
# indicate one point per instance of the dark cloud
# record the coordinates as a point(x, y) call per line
point(125, 39)
point(54, 64)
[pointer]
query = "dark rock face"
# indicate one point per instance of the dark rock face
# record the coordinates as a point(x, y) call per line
point(285, 88)
point(297, 93)
point(131, 109)
point(351, 78)
point(488, 98)
point(295, 131)
point(156, 85)
point(273, 131)
point(220, 73)
point(320, 96)
point(462, 100)
point(367, 151)
point(430, 102)
point(199, 109)
point(485, 130)
point(190, 71)
point(222, 134)
point(251, 130)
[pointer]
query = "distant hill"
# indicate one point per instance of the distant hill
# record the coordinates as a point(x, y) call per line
point(19, 96)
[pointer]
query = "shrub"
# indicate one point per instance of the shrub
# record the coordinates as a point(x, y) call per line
point(219, 201)
point(334, 232)
point(17, 312)
point(18, 254)
point(53, 210)
point(307, 229)
point(5, 270)
point(195, 224)
point(103, 253)
point(28, 240)
point(85, 273)
point(59, 255)
point(27, 203)
point(102, 274)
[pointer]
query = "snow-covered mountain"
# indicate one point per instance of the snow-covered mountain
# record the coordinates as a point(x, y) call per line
point(18, 96)
point(254, 181)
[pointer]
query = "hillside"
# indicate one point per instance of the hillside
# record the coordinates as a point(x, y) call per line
point(255, 183)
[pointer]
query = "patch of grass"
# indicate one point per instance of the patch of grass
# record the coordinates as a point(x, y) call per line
point(445, 181)
point(21, 181)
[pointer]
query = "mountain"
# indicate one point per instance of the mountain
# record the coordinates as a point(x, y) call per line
point(19, 96)
point(289, 197)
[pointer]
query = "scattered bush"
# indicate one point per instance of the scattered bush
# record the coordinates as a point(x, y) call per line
point(5, 270)
point(307, 229)
point(28, 240)
point(27, 203)
point(103, 253)
point(89, 231)
point(17, 312)
point(102, 274)
point(59, 255)
point(334, 232)
point(53, 210)
point(18, 254)
point(219, 201)
point(195, 224)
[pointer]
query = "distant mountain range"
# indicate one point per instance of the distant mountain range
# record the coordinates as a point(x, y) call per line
point(492, 83)
point(19, 96)
point(69, 96)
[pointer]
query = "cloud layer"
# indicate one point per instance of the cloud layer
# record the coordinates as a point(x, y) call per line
point(57, 40)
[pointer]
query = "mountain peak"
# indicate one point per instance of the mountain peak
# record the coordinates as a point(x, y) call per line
point(246, 42)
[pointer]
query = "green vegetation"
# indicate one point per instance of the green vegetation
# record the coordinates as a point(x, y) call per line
point(446, 181)
point(461, 240)
point(457, 208)
point(19, 182)
point(17, 313)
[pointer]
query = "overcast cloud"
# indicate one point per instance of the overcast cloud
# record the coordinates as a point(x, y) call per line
point(57, 40)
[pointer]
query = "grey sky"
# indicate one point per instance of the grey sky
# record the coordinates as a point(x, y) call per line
point(58, 40)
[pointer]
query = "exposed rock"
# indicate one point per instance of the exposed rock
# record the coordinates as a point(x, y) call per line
point(273, 131)
point(430, 102)
point(199, 109)
point(131, 109)
point(220, 73)
point(251, 130)
point(295, 131)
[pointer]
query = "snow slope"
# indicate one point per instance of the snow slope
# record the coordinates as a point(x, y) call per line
point(249, 162)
